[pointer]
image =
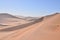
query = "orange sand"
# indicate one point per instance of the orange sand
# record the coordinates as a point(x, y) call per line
point(47, 29)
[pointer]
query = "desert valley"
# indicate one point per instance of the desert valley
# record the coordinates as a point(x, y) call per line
point(29, 28)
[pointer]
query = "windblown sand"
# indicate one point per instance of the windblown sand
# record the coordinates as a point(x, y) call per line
point(47, 29)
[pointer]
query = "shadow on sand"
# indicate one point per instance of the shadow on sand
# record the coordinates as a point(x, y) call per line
point(21, 26)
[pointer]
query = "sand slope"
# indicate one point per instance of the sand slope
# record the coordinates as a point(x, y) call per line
point(7, 20)
point(47, 29)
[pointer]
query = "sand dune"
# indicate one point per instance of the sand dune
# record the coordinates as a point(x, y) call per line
point(7, 20)
point(45, 28)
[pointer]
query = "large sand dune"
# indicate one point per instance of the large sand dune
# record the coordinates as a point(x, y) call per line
point(44, 28)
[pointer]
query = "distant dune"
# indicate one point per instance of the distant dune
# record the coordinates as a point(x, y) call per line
point(43, 28)
point(10, 20)
point(6, 15)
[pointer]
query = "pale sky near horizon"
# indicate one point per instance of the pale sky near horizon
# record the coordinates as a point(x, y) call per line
point(29, 7)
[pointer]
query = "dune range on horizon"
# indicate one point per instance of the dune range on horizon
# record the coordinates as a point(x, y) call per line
point(42, 28)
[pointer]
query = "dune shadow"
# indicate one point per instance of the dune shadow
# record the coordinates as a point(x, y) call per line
point(22, 26)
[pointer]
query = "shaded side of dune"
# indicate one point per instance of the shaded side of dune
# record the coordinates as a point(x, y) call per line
point(22, 26)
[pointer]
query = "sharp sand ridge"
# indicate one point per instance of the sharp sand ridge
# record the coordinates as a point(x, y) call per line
point(48, 29)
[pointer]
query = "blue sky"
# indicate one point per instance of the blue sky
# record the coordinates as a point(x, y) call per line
point(29, 7)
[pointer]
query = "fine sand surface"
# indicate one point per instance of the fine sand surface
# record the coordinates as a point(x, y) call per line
point(45, 28)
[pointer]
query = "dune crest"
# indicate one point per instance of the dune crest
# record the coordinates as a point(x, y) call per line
point(47, 29)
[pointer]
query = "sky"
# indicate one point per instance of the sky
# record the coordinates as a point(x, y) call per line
point(29, 7)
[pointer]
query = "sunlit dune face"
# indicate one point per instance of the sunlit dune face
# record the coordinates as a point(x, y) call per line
point(48, 28)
